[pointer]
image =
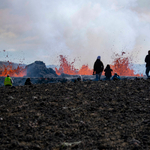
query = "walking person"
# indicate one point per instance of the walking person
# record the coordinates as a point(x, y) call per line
point(108, 73)
point(98, 68)
point(147, 60)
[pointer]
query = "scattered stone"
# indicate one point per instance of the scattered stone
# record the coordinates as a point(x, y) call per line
point(10, 97)
point(70, 144)
point(85, 115)
point(34, 97)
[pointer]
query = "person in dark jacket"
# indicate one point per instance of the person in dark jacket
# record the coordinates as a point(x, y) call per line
point(147, 60)
point(108, 71)
point(116, 77)
point(98, 68)
point(28, 82)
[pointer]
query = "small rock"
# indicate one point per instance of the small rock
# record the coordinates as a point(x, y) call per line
point(135, 142)
point(34, 97)
point(36, 147)
point(1, 119)
point(10, 97)
point(70, 144)
point(19, 125)
point(145, 138)
point(65, 107)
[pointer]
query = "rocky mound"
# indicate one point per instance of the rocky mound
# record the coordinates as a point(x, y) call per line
point(39, 69)
point(83, 115)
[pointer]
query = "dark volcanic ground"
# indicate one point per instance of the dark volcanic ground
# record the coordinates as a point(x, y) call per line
point(86, 115)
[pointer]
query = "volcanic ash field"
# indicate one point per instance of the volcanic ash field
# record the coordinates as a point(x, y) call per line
point(86, 115)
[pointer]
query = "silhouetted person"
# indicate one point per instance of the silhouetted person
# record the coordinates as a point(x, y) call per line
point(147, 60)
point(79, 78)
point(8, 81)
point(28, 82)
point(98, 68)
point(116, 77)
point(108, 71)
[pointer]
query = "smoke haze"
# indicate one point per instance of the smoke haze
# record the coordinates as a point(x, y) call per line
point(81, 30)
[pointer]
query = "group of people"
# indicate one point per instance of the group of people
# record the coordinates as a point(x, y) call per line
point(8, 81)
point(99, 68)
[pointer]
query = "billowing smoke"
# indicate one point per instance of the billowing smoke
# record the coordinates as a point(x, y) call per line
point(81, 30)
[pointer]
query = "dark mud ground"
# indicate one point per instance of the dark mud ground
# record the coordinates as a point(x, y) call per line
point(86, 115)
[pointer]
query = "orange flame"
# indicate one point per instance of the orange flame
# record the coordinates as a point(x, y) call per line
point(120, 66)
point(68, 68)
point(85, 70)
point(18, 72)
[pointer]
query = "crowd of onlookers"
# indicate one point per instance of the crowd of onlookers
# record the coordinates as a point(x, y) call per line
point(97, 70)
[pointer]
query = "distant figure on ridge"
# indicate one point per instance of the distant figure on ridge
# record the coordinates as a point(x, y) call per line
point(98, 68)
point(28, 82)
point(108, 71)
point(116, 77)
point(147, 60)
point(8, 81)
point(79, 78)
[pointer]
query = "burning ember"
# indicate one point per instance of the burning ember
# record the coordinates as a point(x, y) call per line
point(120, 66)
point(13, 72)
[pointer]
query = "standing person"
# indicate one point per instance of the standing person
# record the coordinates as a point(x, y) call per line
point(108, 71)
point(8, 81)
point(147, 60)
point(98, 68)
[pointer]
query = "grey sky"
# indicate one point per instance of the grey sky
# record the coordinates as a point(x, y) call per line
point(42, 30)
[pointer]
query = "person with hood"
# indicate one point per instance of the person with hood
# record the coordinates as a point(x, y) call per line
point(147, 60)
point(108, 71)
point(8, 81)
point(116, 77)
point(98, 68)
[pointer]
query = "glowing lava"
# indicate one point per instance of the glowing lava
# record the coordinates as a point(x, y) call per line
point(13, 72)
point(120, 66)
point(68, 68)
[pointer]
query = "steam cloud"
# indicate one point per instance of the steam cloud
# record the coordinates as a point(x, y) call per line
point(43, 30)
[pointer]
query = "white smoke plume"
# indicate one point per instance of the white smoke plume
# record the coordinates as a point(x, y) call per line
point(81, 30)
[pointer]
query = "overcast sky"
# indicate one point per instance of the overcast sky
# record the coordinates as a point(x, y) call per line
point(33, 30)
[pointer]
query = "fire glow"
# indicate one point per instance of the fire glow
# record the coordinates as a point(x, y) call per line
point(120, 66)
point(68, 68)
point(13, 72)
